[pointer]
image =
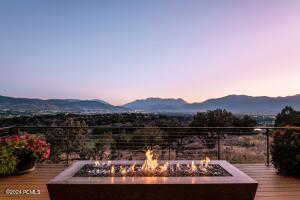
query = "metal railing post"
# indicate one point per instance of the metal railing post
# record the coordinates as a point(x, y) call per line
point(219, 151)
point(169, 148)
point(68, 145)
point(18, 131)
point(118, 144)
point(268, 148)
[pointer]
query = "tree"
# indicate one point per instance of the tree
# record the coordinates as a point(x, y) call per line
point(214, 118)
point(218, 118)
point(288, 117)
point(106, 146)
point(245, 121)
point(68, 140)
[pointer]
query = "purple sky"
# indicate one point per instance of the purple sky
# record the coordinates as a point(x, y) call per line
point(119, 51)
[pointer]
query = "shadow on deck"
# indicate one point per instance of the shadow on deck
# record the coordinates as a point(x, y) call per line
point(271, 186)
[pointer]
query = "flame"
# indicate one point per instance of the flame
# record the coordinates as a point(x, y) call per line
point(201, 163)
point(206, 161)
point(193, 167)
point(204, 164)
point(97, 163)
point(132, 167)
point(178, 166)
point(164, 167)
point(150, 164)
point(112, 169)
point(123, 170)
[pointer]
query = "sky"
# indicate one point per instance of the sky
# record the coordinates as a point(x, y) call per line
point(119, 51)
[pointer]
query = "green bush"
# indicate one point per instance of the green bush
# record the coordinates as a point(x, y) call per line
point(285, 151)
point(18, 152)
point(8, 162)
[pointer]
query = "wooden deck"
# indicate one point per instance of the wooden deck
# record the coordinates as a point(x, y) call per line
point(271, 186)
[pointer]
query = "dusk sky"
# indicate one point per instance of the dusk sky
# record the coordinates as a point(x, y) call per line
point(119, 51)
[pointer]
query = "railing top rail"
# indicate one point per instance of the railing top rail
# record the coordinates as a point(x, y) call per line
point(6, 128)
point(152, 127)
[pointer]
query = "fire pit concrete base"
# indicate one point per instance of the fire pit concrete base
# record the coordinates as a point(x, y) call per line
point(239, 186)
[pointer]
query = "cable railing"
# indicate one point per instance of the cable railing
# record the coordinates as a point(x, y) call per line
point(235, 144)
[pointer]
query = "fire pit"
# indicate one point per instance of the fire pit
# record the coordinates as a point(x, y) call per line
point(151, 179)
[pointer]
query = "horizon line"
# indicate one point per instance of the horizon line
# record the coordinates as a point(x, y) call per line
point(91, 99)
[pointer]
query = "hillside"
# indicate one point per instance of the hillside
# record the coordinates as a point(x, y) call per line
point(233, 103)
point(58, 105)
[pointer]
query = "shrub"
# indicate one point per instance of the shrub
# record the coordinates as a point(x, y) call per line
point(106, 146)
point(27, 144)
point(71, 140)
point(8, 161)
point(17, 151)
point(285, 151)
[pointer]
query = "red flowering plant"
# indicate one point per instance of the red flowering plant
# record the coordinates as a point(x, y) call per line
point(27, 149)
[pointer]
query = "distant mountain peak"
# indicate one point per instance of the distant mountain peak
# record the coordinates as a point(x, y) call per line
point(99, 100)
point(156, 104)
point(163, 99)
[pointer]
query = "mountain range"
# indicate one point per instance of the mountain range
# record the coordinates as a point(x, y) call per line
point(233, 103)
point(57, 105)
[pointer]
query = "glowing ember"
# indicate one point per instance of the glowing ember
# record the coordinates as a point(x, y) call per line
point(164, 167)
point(193, 167)
point(206, 161)
point(178, 166)
point(123, 170)
point(112, 169)
point(97, 163)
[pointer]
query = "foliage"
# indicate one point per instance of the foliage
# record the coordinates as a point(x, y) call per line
point(218, 118)
point(245, 121)
point(57, 138)
point(98, 131)
point(111, 119)
point(150, 137)
point(106, 146)
point(8, 161)
point(77, 137)
point(215, 118)
point(27, 145)
point(68, 140)
point(221, 118)
point(285, 152)
point(15, 149)
point(288, 117)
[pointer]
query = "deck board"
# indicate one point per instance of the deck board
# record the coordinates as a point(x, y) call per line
point(271, 186)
